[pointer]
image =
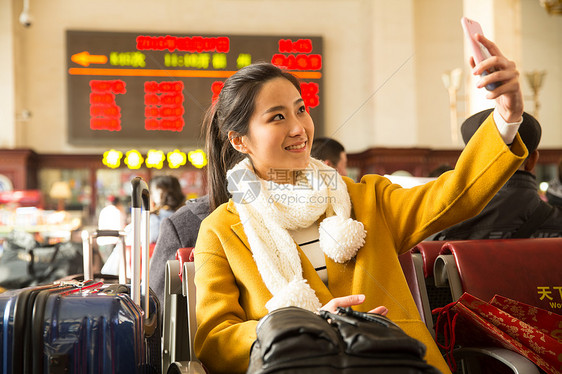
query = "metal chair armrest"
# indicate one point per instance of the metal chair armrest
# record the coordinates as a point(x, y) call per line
point(173, 319)
point(418, 265)
point(447, 275)
point(188, 288)
point(514, 361)
point(186, 367)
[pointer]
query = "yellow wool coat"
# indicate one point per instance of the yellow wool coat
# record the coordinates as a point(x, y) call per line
point(231, 295)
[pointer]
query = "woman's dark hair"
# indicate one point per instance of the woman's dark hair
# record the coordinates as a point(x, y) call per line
point(172, 195)
point(232, 112)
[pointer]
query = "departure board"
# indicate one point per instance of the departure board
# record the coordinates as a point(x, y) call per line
point(147, 89)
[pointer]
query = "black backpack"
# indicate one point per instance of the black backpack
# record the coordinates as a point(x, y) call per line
point(295, 340)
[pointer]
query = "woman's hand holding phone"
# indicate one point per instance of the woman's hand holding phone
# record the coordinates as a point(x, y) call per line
point(508, 95)
point(479, 51)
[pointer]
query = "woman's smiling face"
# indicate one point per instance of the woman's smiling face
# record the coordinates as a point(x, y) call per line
point(280, 132)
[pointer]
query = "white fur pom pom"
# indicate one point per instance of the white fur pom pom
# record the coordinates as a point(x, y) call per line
point(296, 293)
point(341, 238)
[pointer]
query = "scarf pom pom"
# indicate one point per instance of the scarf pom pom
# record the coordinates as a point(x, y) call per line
point(341, 238)
point(296, 293)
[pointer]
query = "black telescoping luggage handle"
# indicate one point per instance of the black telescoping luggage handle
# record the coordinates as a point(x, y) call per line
point(106, 233)
point(140, 203)
point(140, 194)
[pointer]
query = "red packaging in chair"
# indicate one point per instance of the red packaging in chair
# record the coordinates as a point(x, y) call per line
point(548, 322)
point(532, 332)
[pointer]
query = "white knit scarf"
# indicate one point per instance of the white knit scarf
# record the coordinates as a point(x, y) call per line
point(267, 210)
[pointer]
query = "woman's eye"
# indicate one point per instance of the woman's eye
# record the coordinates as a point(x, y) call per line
point(302, 109)
point(278, 117)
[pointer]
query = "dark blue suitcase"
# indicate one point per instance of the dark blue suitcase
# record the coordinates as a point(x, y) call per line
point(84, 327)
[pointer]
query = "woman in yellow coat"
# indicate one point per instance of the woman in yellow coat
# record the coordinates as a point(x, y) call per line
point(248, 259)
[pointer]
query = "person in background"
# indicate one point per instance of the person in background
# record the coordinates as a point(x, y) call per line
point(111, 217)
point(331, 152)
point(517, 210)
point(280, 234)
point(166, 197)
point(554, 190)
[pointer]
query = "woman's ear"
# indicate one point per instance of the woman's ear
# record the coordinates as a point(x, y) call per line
point(237, 141)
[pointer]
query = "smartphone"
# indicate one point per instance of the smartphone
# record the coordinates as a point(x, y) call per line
point(479, 52)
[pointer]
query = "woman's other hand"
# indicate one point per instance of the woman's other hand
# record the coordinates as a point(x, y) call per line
point(351, 300)
point(508, 96)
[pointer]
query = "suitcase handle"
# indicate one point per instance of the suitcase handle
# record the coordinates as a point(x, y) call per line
point(106, 233)
point(88, 239)
point(140, 194)
point(140, 205)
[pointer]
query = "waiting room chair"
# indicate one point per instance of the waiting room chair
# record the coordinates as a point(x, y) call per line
point(179, 322)
point(514, 268)
point(520, 269)
point(423, 257)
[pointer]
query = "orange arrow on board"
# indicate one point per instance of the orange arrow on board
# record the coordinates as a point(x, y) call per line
point(85, 58)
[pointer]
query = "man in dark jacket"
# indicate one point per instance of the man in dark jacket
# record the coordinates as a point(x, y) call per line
point(516, 211)
point(554, 190)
